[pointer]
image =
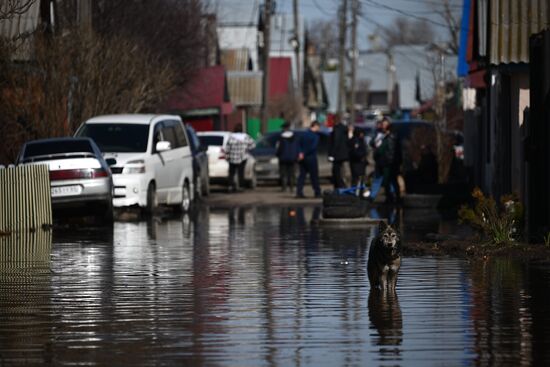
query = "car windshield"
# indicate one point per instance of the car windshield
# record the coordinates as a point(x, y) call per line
point(118, 138)
point(268, 141)
point(208, 140)
point(37, 149)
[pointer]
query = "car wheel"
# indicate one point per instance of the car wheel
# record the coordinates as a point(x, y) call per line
point(152, 199)
point(185, 206)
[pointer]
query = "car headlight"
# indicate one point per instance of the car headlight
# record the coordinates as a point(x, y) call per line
point(274, 160)
point(134, 167)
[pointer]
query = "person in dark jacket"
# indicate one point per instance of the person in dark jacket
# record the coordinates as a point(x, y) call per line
point(307, 159)
point(338, 152)
point(357, 156)
point(389, 159)
point(287, 152)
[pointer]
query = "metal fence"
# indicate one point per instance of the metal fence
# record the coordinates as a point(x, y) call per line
point(25, 198)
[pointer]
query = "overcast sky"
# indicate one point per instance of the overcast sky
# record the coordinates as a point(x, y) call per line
point(374, 11)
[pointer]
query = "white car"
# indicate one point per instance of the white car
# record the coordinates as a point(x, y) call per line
point(216, 141)
point(154, 164)
point(79, 176)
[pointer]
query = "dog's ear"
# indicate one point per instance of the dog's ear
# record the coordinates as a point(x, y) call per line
point(382, 225)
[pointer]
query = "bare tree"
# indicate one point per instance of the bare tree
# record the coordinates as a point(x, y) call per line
point(405, 31)
point(323, 35)
point(174, 30)
point(452, 20)
point(11, 8)
point(91, 75)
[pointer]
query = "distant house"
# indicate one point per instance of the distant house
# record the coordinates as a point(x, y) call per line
point(284, 39)
point(238, 30)
point(204, 101)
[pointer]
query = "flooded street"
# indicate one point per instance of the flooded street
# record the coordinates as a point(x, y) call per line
point(259, 287)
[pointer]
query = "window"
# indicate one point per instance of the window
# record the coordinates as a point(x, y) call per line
point(57, 147)
point(208, 140)
point(118, 138)
point(180, 134)
point(168, 134)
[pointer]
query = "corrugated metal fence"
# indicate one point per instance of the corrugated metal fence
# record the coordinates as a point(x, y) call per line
point(25, 198)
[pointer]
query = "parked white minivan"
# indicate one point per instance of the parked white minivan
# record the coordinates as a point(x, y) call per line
point(154, 164)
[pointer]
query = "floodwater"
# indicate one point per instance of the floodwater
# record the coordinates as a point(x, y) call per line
point(259, 287)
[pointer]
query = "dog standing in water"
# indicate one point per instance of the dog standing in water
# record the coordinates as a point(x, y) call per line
point(384, 258)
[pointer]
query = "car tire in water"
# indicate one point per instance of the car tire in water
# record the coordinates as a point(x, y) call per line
point(152, 200)
point(186, 203)
point(104, 213)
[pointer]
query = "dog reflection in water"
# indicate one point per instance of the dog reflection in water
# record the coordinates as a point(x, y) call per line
point(385, 316)
point(384, 259)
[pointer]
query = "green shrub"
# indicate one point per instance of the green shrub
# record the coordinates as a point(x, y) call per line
point(499, 223)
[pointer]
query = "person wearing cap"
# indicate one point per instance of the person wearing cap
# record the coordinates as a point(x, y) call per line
point(287, 152)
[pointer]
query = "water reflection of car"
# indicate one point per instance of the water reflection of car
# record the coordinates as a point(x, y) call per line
point(267, 163)
point(201, 178)
point(154, 161)
point(79, 176)
point(216, 141)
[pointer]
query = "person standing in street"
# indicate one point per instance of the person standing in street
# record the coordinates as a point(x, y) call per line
point(236, 150)
point(307, 159)
point(287, 152)
point(388, 161)
point(357, 156)
point(338, 152)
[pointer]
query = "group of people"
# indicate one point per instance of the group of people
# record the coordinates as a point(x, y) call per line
point(346, 144)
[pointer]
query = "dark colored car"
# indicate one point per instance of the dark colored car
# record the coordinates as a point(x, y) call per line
point(418, 138)
point(200, 163)
point(267, 163)
point(79, 175)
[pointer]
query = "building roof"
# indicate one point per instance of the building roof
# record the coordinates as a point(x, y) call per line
point(280, 77)
point(245, 87)
point(511, 24)
point(208, 89)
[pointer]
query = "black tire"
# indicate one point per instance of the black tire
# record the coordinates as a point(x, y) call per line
point(344, 212)
point(333, 200)
point(152, 200)
point(186, 202)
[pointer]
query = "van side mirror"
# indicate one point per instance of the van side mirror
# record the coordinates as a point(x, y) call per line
point(163, 146)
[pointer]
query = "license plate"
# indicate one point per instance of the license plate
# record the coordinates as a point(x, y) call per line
point(66, 190)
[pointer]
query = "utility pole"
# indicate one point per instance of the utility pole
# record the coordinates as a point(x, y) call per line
point(342, 58)
point(391, 78)
point(354, 14)
point(297, 46)
point(265, 61)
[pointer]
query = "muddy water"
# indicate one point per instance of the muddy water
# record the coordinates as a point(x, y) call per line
point(259, 287)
